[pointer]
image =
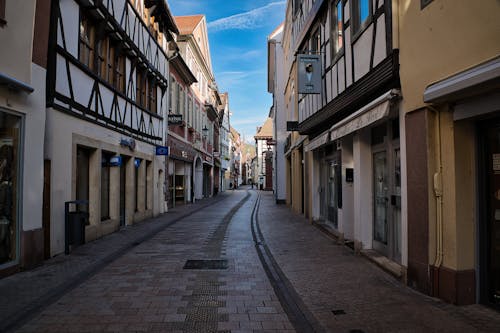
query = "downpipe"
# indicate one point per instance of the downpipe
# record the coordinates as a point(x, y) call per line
point(438, 194)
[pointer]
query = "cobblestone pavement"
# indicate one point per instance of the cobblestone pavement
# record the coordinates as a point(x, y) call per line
point(135, 280)
point(346, 293)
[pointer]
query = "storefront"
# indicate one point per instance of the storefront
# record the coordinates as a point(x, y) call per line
point(180, 173)
point(10, 154)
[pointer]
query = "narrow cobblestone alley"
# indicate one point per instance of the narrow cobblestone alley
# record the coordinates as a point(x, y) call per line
point(254, 266)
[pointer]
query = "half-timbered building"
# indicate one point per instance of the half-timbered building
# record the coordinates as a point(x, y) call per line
point(106, 106)
point(346, 147)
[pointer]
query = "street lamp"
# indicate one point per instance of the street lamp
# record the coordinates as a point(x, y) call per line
point(205, 132)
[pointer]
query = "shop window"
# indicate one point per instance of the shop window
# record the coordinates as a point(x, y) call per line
point(82, 175)
point(105, 185)
point(9, 171)
point(361, 14)
point(147, 179)
point(337, 27)
point(137, 165)
point(378, 134)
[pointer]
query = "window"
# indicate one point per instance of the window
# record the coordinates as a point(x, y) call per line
point(2, 12)
point(105, 185)
point(315, 42)
point(296, 6)
point(101, 54)
point(87, 40)
point(146, 90)
point(423, 3)
point(190, 112)
point(152, 94)
point(361, 13)
point(141, 87)
point(337, 27)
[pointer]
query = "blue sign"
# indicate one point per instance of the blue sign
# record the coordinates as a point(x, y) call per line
point(162, 150)
point(115, 160)
point(137, 162)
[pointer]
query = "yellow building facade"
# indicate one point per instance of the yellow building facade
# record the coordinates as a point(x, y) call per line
point(450, 74)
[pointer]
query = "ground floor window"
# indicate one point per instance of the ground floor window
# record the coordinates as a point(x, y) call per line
point(105, 184)
point(10, 128)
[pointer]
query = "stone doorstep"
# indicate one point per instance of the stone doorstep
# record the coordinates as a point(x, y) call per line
point(391, 267)
point(385, 263)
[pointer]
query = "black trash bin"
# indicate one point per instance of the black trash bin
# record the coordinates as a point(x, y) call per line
point(75, 224)
point(77, 221)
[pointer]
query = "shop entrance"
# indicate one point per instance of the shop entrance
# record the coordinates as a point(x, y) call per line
point(331, 188)
point(386, 164)
point(490, 221)
point(9, 172)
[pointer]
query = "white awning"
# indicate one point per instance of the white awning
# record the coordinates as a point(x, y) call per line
point(367, 115)
point(317, 141)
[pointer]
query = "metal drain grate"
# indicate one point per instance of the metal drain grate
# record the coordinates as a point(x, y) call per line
point(206, 264)
point(338, 312)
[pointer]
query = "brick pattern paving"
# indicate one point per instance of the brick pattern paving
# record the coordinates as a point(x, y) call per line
point(140, 285)
point(347, 293)
point(147, 288)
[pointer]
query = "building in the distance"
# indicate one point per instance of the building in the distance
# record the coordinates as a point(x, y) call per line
point(264, 147)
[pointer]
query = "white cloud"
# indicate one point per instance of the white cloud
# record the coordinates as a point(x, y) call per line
point(248, 20)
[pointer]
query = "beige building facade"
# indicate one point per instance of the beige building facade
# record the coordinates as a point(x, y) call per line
point(450, 76)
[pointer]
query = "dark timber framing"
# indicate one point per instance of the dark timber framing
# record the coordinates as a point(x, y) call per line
point(132, 119)
point(382, 78)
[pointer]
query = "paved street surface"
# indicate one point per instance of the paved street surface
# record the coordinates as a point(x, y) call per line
point(233, 263)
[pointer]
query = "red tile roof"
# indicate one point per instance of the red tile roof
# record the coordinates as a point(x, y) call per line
point(187, 24)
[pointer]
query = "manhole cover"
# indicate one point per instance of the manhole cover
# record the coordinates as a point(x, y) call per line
point(206, 264)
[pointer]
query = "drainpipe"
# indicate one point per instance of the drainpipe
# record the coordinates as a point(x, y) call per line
point(438, 193)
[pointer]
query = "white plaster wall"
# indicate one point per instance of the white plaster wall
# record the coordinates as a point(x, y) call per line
point(32, 108)
point(363, 212)
point(347, 211)
point(362, 53)
point(280, 124)
point(70, 18)
point(33, 151)
point(60, 129)
point(380, 42)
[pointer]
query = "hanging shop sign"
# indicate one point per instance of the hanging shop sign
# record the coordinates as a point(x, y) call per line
point(175, 119)
point(309, 73)
point(162, 151)
point(292, 126)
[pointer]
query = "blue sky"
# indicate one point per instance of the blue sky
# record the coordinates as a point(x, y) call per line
point(237, 32)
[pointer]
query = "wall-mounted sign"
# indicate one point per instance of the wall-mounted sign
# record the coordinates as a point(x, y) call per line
point(115, 161)
point(216, 153)
point(128, 142)
point(309, 73)
point(292, 126)
point(175, 119)
point(162, 150)
point(137, 162)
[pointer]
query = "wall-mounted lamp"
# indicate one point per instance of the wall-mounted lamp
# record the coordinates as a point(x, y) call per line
point(205, 131)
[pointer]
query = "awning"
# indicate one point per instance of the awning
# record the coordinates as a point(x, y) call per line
point(14, 84)
point(367, 115)
point(318, 141)
point(453, 88)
